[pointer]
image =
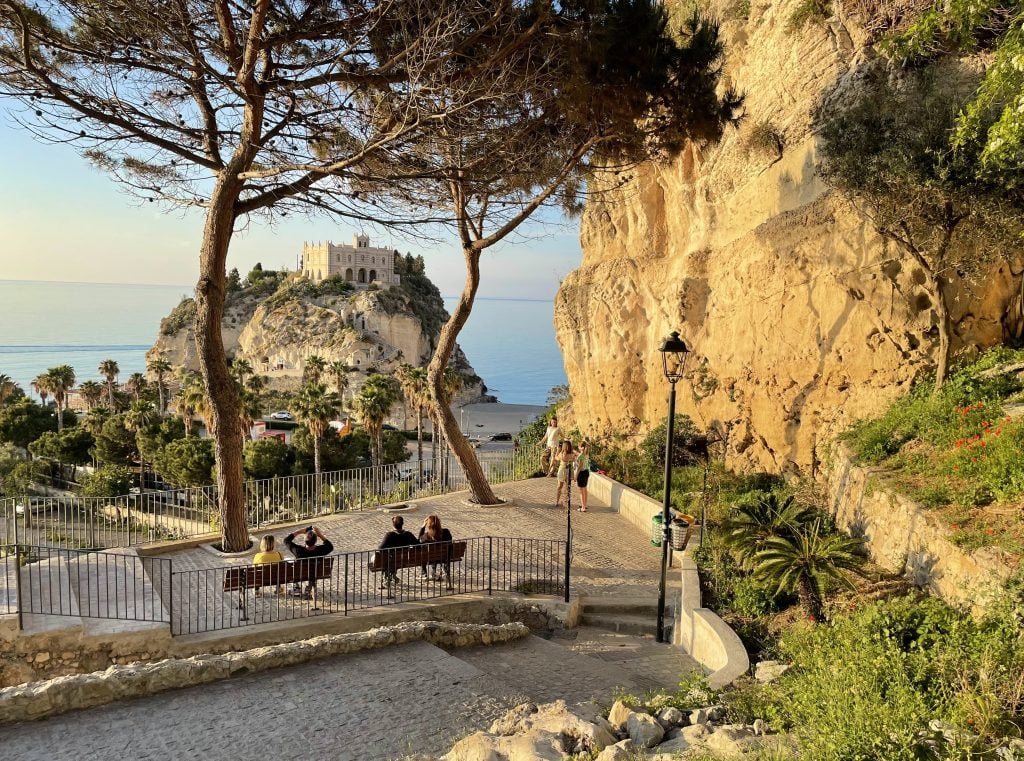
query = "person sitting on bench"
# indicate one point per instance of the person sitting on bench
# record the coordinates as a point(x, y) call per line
point(309, 549)
point(433, 532)
point(398, 537)
point(267, 554)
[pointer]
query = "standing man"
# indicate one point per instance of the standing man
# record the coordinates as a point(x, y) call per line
point(308, 549)
point(551, 439)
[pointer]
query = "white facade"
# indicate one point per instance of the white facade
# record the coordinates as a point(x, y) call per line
point(359, 263)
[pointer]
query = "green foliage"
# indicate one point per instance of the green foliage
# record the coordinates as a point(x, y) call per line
point(766, 139)
point(687, 443)
point(808, 12)
point(152, 439)
point(867, 685)
point(759, 516)
point(336, 452)
point(107, 481)
point(24, 421)
point(187, 462)
point(70, 446)
point(268, 458)
point(424, 301)
point(115, 444)
point(393, 448)
point(180, 318)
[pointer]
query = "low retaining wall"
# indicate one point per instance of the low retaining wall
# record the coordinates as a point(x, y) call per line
point(61, 652)
point(902, 536)
point(699, 631)
point(41, 699)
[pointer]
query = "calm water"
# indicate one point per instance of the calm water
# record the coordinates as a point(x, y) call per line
point(511, 344)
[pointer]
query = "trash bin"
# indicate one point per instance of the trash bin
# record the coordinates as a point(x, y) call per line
point(680, 534)
point(657, 522)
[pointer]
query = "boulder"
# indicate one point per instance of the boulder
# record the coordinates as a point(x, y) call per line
point(696, 733)
point(621, 751)
point(644, 730)
point(618, 716)
point(769, 671)
point(732, 739)
point(699, 716)
point(559, 719)
point(675, 745)
point(534, 745)
point(671, 717)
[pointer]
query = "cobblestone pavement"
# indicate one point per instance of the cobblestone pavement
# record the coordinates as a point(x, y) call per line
point(377, 705)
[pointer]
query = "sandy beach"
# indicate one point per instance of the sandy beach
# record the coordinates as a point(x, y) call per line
point(489, 419)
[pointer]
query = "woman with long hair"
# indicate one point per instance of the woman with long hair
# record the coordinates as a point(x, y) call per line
point(432, 532)
point(564, 456)
point(583, 474)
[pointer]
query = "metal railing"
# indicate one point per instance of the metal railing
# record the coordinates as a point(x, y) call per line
point(490, 564)
point(133, 519)
point(76, 583)
point(60, 582)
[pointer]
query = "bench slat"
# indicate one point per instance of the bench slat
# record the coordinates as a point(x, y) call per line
point(275, 574)
point(416, 555)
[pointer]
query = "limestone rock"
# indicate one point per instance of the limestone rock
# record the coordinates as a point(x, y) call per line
point(618, 716)
point(621, 751)
point(534, 745)
point(559, 719)
point(675, 745)
point(738, 247)
point(644, 729)
point(671, 717)
point(699, 716)
point(769, 671)
point(694, 734)
point(731, 739)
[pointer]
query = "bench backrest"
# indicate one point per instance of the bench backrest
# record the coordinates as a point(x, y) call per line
point(271, 574)
point(417, 554)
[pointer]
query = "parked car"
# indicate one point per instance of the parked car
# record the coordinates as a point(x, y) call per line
point(501, 437)
point(281, 415)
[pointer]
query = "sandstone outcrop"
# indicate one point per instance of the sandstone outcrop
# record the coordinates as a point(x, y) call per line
point(799, 316)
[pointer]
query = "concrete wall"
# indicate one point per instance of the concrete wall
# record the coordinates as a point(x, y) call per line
point(903, 536)
point(698, 630)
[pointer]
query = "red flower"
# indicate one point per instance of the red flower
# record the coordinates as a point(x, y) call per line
point(982, 444)
point(989, 531)
point(955, 526)
point(959, 443)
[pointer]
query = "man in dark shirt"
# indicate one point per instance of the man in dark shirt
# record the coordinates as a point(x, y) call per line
point(308, 549)
point(397, 537)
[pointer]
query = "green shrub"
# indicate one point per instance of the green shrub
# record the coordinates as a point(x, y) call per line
point(107, 481)
point(807, 12)
point(181, 317)
point(765, 139)
point(752, 597)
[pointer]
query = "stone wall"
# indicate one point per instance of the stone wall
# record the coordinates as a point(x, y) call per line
point(49, 654)
point(903, 536)
point(41, 699)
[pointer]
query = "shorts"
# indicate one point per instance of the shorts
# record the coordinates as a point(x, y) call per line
point(581, 479)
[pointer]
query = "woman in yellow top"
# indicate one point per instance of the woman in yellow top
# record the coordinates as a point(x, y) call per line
point(268, 554)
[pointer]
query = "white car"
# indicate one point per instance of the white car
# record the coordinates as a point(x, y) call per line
point(281, 415)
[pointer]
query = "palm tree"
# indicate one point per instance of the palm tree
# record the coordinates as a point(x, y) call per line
point(314, 368)
point(136, 384)
point(413, 382)
point(8, 389)
point(160, 367)
point(140, 416)
point(190, 400)
point(62, 380)
point(248, 410)
point(256, 382)
point(806, 562)
point(41, 385)
point(752, 523)
point(373, 405)
point(108, 369)
point(315, 407)
point(340, 371)
point(242, 367)
point(91, 393)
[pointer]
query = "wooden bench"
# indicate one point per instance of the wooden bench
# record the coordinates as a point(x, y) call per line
point(417, 555)
point(246, 577)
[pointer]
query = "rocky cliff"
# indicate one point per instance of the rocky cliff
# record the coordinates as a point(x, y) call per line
point(799, 316)
point(277, 328)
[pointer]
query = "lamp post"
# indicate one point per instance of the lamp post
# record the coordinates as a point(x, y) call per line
point(673, 358)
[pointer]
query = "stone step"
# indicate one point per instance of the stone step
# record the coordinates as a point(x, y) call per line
point(613, 606)
point(632, 624)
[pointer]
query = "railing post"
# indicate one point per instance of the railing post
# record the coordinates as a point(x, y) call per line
point(490, 564)
point(346, 583)
point(170, 594)
point(568, 553)
point(17, 563)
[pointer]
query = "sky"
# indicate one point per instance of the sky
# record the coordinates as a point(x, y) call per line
point(61, 219)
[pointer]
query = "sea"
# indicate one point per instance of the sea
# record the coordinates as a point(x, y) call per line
point(510, 342)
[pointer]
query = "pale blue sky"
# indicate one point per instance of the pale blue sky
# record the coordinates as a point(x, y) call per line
point(60, 219)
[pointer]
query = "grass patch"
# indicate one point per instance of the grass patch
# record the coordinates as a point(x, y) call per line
point(808, 12)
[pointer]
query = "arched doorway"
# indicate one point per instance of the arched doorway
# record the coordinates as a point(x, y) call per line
point(362, 275)
point(373, 275)
point(348, 274)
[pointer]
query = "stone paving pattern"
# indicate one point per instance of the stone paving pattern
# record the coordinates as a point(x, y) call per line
point(381, 704)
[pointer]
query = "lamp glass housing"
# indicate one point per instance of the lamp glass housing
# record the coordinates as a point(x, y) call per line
point(673, 356)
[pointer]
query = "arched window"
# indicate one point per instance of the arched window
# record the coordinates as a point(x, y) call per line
point(373, 275)
point(348, 274)
point(319, 275)
point(362, 275)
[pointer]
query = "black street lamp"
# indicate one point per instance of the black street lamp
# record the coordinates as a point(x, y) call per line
point(673, 358)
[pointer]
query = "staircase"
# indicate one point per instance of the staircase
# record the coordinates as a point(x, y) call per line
point(635, 616)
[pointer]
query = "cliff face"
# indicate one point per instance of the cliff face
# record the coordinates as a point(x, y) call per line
point(799, 317)
point(369, 330)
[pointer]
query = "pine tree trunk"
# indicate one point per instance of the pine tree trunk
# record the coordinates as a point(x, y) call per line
point(220, 386)
point(482, 492)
